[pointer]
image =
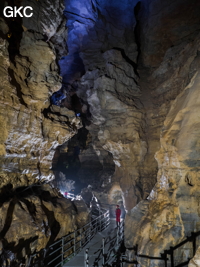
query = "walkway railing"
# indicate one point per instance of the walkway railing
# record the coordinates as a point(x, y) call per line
point(164, 256)
point(73, 196)
point(110, 256)
point(68, 246)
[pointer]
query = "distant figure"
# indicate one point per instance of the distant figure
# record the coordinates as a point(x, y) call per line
point(118, 213)
point(66, 194)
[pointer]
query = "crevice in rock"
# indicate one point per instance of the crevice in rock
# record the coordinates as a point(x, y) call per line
point(59, 41)
point(133, 64)
point(52, 223)
point(17, 86)
point(47, 112)
point(15, 31)
point(74, 206)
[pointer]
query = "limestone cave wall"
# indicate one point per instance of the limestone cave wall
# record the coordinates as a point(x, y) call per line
point(33, 213)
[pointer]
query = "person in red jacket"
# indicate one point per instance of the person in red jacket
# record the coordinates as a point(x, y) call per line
point(118, 213)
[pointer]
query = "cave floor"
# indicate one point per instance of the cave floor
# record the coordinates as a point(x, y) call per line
point(95, 248)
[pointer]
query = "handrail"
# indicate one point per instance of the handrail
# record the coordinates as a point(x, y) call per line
point(73, 196)
point(69, 245)
point(118, 239)
point(170, 252)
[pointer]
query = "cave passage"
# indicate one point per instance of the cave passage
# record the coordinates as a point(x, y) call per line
point(85, 23)
point(100, 99)
point(66, 161)
point(78, 162)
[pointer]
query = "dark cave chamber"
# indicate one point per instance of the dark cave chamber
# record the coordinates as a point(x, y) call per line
point(76, 160)
point(66, 160)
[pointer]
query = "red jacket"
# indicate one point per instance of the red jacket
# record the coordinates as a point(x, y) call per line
point(118, 213)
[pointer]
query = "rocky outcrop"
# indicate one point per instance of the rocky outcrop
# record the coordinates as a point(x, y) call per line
point(33, 214)
point(195, 262)
point(110, 108)
point(33, 218)
point(30, 132)
point(47, 17)
point(170, 213)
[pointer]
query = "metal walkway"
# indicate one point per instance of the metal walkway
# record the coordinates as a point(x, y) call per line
point(61, 251)
point(95, 244)
point(100, 250)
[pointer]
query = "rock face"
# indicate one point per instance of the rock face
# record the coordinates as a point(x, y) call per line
point(33, 218)
point(110, 108)
point(110, 88)
point(31, 131)
point(196, 260)
point(32, 215)
point(170, 213)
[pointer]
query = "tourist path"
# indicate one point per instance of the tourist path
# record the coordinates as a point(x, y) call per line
point(95, 248)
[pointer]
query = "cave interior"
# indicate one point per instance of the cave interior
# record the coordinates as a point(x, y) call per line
point(100, 99)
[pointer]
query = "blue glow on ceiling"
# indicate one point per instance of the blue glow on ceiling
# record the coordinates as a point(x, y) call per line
point(94, 26)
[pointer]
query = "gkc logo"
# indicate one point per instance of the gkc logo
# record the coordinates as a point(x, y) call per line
point(12, 12)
